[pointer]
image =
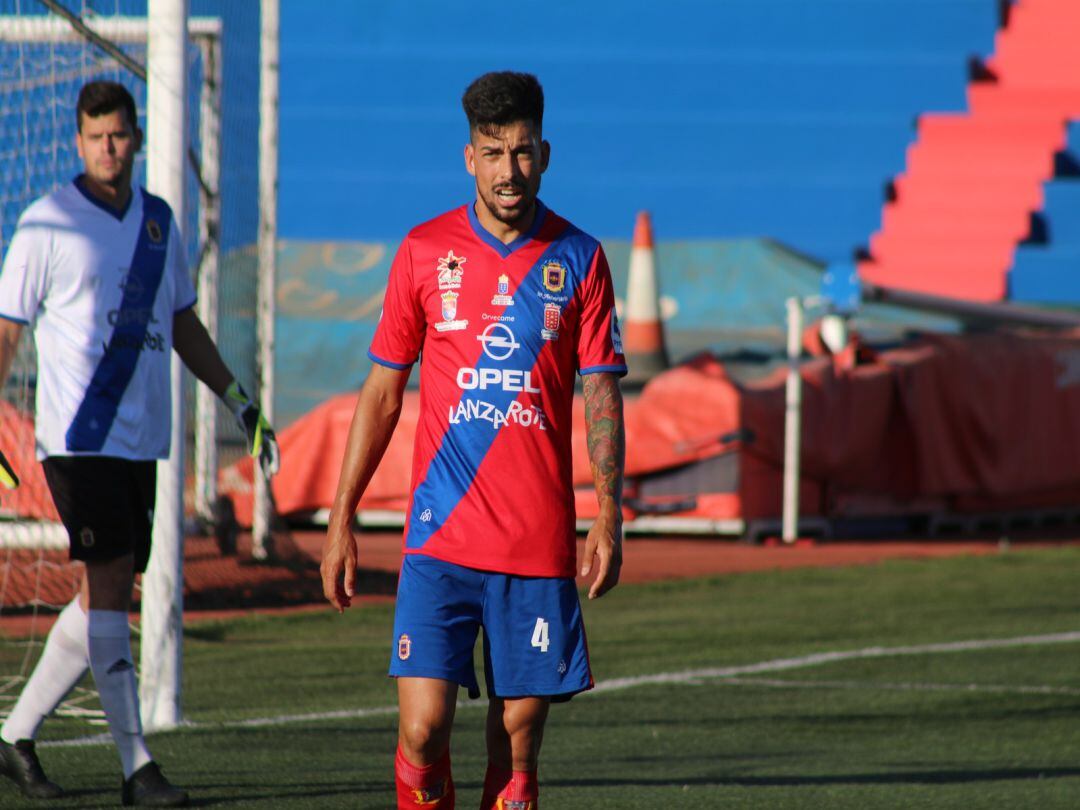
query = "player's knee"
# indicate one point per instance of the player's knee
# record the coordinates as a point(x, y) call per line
point(109, 583)
point(525, 718)
point(422, 740)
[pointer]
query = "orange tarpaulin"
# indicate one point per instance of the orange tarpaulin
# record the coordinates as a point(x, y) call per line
point(31, 499)
point(979, 420)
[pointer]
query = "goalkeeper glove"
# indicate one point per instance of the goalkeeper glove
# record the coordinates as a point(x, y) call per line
point(262, 443)
point(7, 475)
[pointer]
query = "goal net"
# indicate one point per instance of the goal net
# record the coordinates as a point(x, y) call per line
point(43, 64)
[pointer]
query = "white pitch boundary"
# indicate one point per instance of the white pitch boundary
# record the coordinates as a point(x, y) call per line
point(817, 659)
point(731, 675)
point(985, 688)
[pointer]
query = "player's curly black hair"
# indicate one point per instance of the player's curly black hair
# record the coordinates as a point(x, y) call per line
point(102, 98)
point(503, 97)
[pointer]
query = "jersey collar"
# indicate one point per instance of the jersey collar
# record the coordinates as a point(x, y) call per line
point(500, 248)
point(80, 184)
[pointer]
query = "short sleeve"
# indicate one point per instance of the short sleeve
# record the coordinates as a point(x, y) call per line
point(24, 274)
point(184, 295)
point(599, 345)
point(400, 333)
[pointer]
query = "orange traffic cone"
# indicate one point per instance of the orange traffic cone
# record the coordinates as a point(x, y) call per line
point(643, 331)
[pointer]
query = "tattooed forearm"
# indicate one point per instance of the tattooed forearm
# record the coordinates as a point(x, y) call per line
point(605, 434)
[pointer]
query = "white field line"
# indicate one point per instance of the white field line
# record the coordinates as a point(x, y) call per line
point(817, 659)
point(731, 674)
point(984, 688)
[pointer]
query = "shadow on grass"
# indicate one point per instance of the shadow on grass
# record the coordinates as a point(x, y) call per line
point(934, 777)
point(273, 795)
point(278, 584)
point(203, 796)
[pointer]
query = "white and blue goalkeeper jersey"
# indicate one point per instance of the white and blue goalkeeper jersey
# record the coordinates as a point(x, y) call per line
point(99, 289)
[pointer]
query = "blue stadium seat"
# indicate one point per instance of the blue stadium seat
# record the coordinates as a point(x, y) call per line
point(773, 118)
point(1047, 276)
point(1061, 214)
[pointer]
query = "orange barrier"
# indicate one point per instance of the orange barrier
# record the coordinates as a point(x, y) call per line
point(946, 423)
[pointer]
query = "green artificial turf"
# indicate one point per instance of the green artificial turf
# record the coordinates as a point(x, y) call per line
point(996, 727)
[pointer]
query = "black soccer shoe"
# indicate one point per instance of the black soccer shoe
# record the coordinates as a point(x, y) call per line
point(148, 787)
point(20, 764)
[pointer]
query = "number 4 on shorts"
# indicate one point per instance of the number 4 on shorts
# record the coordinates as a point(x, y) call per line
point(540, 635)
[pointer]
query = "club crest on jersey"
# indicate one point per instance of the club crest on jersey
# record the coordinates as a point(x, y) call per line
point(153, 230)
point(554, 276)
point(502, 297)
point(404, 647)
point(449, 306)
point(552, 315)
point(450, 271)
point(449, 322)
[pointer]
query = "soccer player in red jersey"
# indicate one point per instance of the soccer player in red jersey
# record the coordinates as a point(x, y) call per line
point(503, 301)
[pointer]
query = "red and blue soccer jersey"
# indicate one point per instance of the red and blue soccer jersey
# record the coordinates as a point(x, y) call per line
point(501, 331)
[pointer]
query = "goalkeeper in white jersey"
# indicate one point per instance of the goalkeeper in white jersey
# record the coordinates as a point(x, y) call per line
point(96, 271)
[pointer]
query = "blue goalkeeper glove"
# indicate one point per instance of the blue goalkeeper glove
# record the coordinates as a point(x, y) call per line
point(262, 443)
point(7, 474)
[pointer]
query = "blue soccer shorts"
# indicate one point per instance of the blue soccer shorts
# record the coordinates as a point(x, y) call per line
point(534, 636)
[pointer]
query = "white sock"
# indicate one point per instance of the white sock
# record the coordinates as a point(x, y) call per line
point(62, 664)
point(114, 673)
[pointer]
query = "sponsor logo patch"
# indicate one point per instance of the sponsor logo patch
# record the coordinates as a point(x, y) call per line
point(502, 297)
point(132, 285)
point(511, 379)
point(449, 305)
point(616, 335)
point(552, 316)
point(470, 410)
point(499, 341)
point(450, 271)
point(450, 322)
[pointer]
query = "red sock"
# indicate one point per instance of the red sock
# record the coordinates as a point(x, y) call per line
point(430, 787)
point(495, 782)
point(509, 790)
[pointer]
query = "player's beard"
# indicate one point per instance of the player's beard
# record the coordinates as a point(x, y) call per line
point(116, 176)
point(511, 215)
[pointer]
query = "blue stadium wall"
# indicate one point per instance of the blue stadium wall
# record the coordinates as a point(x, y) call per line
point(732, 121)
point(729, 118)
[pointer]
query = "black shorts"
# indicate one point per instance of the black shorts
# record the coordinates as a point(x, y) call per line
point(106, 504)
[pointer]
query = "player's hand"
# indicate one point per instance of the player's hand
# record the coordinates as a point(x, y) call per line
point(603, 546)
point(262, 442)
point(338, 567)
point(7, 473)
